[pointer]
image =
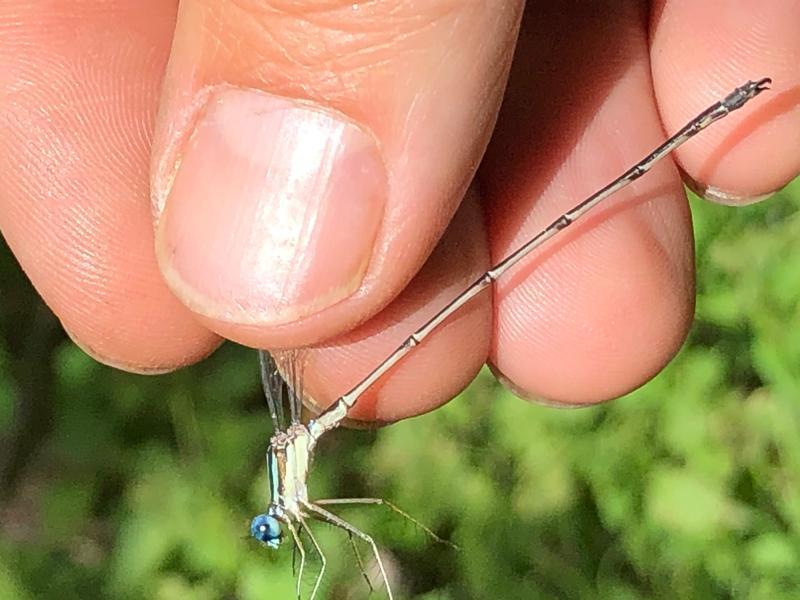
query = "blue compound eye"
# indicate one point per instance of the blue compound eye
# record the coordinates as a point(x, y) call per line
point(266, 528)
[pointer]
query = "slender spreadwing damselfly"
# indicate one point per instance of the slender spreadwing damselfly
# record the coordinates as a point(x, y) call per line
point(291, 448)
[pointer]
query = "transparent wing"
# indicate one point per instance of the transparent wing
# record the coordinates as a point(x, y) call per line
point(292, 363)
point(274, 388)
point(282, 380)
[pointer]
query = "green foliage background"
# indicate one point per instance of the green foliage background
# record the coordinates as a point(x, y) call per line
point(120, 486)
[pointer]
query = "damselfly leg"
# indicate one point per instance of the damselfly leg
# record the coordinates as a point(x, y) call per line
point(323, 515)
point(298, 544)
point(323, 560)
point(361, 568)
point(393, 507)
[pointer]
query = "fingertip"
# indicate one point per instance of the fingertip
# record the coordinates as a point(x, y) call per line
point(147, 357)
point(700, 51)
point(608, 302)
point(606, 311)
point(73, 160)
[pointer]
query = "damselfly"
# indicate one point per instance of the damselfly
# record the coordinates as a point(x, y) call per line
point(292, 445)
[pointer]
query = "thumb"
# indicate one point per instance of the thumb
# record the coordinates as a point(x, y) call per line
point(309, 154)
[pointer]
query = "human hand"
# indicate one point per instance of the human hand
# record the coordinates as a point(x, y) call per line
point(286, 181)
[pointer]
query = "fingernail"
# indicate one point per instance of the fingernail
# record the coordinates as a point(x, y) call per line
point(720, 196)
point(273, 211)
point(525, 395)
point(104, 360)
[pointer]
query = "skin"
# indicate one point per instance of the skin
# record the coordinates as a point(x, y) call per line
point(98, 101)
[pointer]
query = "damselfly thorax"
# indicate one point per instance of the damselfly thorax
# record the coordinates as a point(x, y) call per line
point(288, 461)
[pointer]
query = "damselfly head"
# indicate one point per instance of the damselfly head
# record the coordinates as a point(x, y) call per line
point(266, 529)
